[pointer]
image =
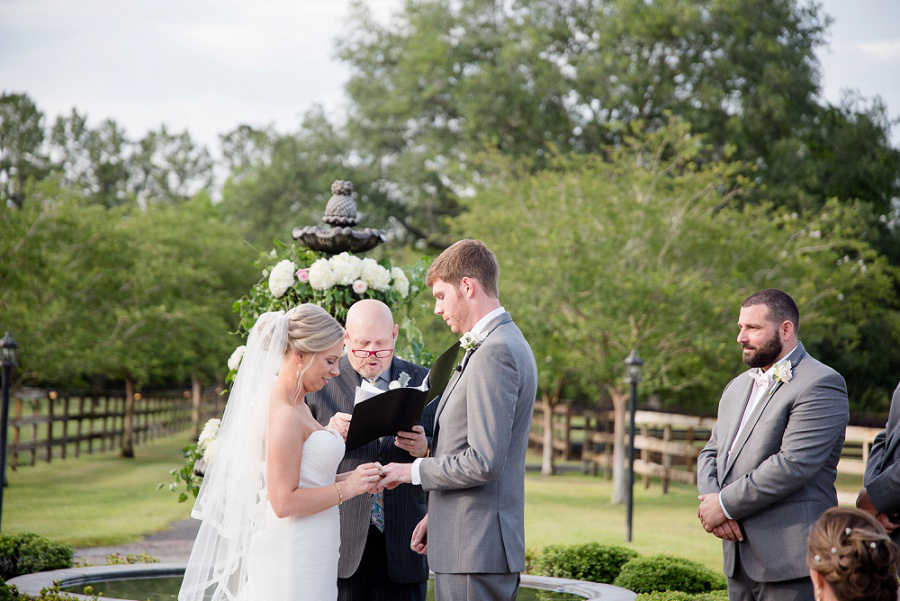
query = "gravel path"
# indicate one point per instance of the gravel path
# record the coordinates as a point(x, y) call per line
point(170, 545)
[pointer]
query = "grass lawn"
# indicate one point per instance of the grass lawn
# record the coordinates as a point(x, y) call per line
point(100, 500)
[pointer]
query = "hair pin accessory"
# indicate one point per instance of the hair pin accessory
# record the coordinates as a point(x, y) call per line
point(847, 531)
point(817, 558)
point(834, 549)
point(873, 544)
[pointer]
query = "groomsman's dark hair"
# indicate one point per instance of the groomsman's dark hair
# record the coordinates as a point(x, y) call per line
point(466, 259)
point(781, 306)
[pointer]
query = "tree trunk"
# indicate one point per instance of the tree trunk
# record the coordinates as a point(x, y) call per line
point(128, 426)
point(620, 406)
point(196, 394)
point(551, 401)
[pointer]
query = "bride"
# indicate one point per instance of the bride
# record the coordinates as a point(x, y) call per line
point(268, 502)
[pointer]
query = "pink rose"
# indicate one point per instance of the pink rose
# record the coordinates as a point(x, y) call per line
point(302, 275)
point(360, 287)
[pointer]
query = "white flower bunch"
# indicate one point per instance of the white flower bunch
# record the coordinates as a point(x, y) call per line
point(376, 276)
point(346, 268)
point(281, 278)
point(207, 443)
point(360, 287)
point(469, 341)
point(234, 361)
point(783, 372)
point(400, 281)
point(321, 276)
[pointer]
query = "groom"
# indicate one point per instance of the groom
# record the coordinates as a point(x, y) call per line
point(475, 524)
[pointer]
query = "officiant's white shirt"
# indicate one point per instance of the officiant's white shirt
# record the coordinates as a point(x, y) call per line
point(477, 329)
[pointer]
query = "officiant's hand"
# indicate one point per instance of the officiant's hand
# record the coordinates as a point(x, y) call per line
point(419, 542)
point(395, 474)
point(413, 442)
point(340, 423)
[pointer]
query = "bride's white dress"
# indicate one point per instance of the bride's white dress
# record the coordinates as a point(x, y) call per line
point(296, 559)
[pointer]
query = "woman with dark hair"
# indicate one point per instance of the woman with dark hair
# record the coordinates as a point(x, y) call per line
point(852, 558)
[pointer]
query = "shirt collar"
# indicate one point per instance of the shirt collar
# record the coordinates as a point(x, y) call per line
point(479, 327)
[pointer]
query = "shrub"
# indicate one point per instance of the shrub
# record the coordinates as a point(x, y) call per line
point(27, 552)
point(718, 595)
point(590, 561)
point(7, 592)
point(667, 573)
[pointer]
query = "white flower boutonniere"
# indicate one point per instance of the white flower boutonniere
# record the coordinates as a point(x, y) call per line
point(783, 372)
point(400, 382)
point(469, 341)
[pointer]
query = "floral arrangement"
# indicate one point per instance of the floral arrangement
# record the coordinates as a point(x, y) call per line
point(783, 372)
point(291, 276)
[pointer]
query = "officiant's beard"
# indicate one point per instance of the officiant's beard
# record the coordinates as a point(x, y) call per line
point(765, 355)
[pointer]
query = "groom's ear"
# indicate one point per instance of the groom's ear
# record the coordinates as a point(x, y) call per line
point(468, 286)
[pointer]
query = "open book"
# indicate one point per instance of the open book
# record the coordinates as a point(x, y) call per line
point(380, 413)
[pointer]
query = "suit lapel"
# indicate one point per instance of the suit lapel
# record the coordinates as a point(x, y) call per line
point(489, 329)
point(745, 391)
point(795, 358)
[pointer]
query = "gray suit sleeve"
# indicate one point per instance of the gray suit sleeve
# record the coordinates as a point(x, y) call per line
point(491, 395)
point(883, 483)
point(707, 470)
point(817, 419)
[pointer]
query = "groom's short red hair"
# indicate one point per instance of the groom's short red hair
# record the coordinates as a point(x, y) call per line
point(466, 259)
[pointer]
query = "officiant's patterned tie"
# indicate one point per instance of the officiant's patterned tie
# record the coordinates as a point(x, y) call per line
point(377, 516)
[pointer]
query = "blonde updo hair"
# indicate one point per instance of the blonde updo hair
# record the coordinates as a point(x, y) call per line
point(311, 329)
point(855, 555)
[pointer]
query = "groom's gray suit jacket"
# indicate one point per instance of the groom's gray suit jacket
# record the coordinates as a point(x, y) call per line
point(403, 507)
point(882, 479)
point(476, 478)
point(780, 475)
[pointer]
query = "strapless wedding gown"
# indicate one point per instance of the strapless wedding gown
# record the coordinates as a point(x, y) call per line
point(296, 559)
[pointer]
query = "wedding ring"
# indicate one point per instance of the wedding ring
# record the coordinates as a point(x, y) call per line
point(370, 478)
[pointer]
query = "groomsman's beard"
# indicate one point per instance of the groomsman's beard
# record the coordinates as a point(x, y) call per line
point(765, 355)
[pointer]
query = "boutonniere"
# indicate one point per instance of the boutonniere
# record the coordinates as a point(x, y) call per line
point(400, 382)
point(469, 341)
point(783, 372)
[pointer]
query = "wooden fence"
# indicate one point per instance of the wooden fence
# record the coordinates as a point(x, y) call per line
point(666, 444)
point(59, 425)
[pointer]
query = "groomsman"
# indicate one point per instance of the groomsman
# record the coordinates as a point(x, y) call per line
point(881, 493)
point(475, 525)
point(768, 470)
point(376, 562)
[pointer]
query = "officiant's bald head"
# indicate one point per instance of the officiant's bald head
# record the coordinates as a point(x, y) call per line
point(370, 337)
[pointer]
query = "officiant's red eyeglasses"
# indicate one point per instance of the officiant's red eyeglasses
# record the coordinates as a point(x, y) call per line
point(380, 354)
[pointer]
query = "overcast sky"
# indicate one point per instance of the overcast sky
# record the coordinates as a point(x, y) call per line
point(209, 65)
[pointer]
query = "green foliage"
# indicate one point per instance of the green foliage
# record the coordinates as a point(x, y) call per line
point(185, 474)
point(648, 249)
point(52, 593)
point(589, 561)
point(720, 595)
point(27, 553)
point(667, 573)
point(116, 559)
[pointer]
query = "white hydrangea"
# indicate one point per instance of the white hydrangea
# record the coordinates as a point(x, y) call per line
point(321, 276)
point(400, 281)
point(209, 433)
point(281, 278)
point(346, 268)
point(376, 276)
point(209, 453)
point(234, 361)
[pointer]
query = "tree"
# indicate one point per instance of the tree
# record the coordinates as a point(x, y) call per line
point(168, 167)
point(22, 156)
point(650, 250)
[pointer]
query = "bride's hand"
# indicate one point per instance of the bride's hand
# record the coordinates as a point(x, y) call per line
point(365, 478)
point(340, 423)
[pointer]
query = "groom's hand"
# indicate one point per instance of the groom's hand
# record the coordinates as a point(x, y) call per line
point(395, 474)
point(710, 512)
point(419, 542)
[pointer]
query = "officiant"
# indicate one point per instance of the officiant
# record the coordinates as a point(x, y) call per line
point(376, 561)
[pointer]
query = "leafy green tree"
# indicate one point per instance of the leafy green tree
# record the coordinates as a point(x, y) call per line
point(650, 250)
point(22, 155)
point(168, 167)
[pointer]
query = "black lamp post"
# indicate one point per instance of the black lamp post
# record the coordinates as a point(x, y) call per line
point(8, 360)
point(633, 365)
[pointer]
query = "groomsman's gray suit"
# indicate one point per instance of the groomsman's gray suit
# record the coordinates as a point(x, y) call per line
point(476, 478)
point(780, 475)
point(882, 479)
point(404, 506)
